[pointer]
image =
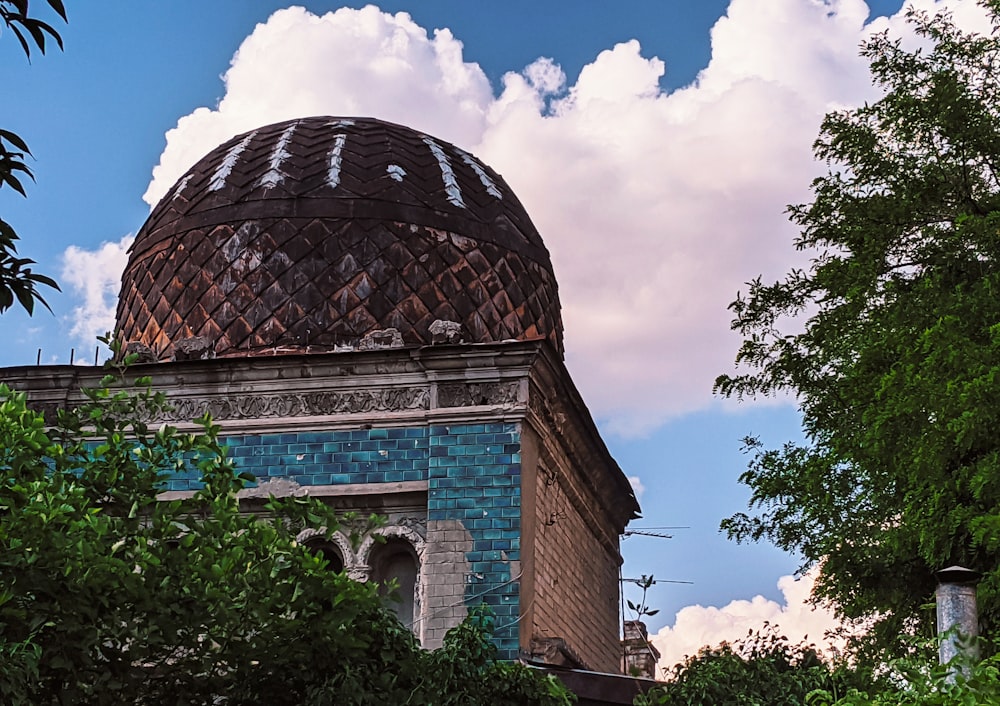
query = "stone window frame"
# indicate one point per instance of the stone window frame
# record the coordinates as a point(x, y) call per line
point(419, 546)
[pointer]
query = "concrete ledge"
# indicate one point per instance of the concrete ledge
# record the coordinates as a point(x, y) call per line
point(320, 491)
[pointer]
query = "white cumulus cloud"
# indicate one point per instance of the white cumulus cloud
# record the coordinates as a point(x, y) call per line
point(637, 487)
point(95, 277)
point(656, 206)
point(699, 626)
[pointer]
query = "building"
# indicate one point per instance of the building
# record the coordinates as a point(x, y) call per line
point(371, 317)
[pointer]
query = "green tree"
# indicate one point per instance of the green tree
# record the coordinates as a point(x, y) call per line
point(912, 681)
point(18, 282)
point(110, 596)
point(890, 341)
point(763, 669)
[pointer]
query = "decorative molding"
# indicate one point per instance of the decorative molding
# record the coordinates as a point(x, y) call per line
point(297, 404)
point(278, 487)
point(359, 573)
point(478, 393)
point(415, 524)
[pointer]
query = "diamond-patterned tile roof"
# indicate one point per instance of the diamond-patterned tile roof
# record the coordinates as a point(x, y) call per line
point(308, 234)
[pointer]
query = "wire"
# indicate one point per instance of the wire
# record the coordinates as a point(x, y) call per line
point(653, 582)
point(467, 600)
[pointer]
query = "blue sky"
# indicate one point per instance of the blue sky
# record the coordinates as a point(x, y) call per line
point(682, 174)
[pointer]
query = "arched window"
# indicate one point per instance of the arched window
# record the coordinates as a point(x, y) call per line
point(396, 559)
point(329, 551)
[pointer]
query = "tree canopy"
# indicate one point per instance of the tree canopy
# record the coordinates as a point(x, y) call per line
point(763, 669)
point(890, 341)
point(18, 281)
point(111, 596)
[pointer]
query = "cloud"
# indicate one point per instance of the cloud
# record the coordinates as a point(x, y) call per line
point(95, 277)
point(349, 62)
point(698, 626)
point(637, 487)
point(657, 206)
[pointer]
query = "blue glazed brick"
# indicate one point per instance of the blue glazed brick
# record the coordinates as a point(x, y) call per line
point(473, 474)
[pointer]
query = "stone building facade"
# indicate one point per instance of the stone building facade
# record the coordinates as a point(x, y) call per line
point(371, 318)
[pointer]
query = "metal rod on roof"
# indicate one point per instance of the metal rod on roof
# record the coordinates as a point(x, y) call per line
point(38, 358)
point(72, 352)
point(97, 355)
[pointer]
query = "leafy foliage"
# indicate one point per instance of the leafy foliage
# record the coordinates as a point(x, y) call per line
point(17, 279)
point(896, 366)
point(761, 670)
point(642, 609)
point(110, 596)
point(915, 682)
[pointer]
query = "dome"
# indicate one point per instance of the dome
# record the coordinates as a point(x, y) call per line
point(312, 234)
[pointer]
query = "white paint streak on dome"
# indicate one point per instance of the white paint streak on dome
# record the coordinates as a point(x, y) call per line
point(335, 158)
point(274, 176)
point(396, 172)
point(228, 162)
point(341, 123)
point(491, 187)
point(181, 185)
point(447, 173)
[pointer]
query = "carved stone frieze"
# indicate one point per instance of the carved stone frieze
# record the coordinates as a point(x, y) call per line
point(298, 404)
point(278, 487)
point(417, 524)
point(477, 393)
point(359, 573)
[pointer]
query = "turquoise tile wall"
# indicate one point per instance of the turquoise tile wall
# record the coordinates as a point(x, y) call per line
point(474, 476)
point(473, 473)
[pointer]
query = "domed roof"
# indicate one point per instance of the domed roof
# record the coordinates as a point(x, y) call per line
point(310, 234)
